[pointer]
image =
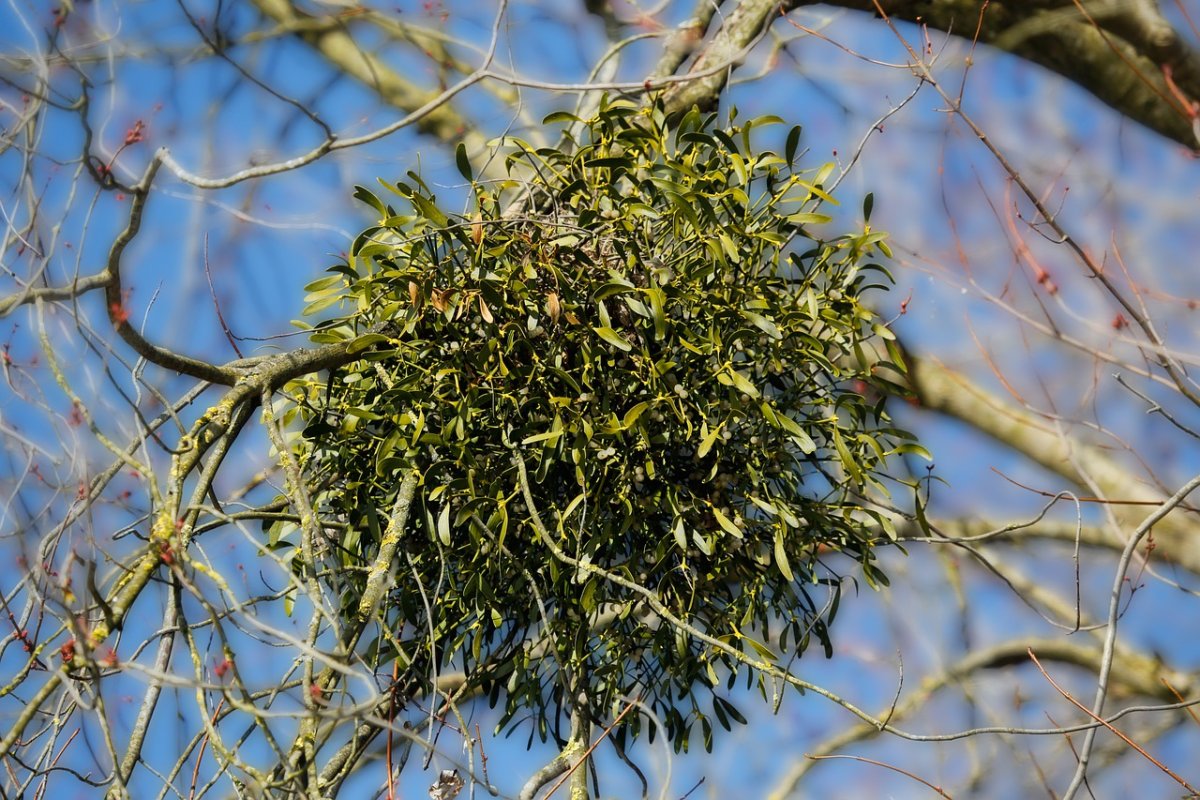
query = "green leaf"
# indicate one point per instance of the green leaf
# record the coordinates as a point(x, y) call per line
point(847, 460)
point(365, 195)
point(631, 416)
point(320, 305)
point(739, 167)
point(321, 284)
point(443, 525)
point(588, 599)
point(729, 248)
point(729, 708)
point(636, 306)
point(329, 336)
point(758, 647)
point(742, 384)
point(922, 520)
point(658, 303)
point(764, 324)
point(915, 449)
point(365, 341)
point(579, 498)
point(875, 577)
point(719, 711)
point(710, 438)
point(640, 210)
point(765, 506)
point(561, 116)
point(684, 207)
point(781, 559)
point(726, 523)
point(809, 218)
point(464, 163)
point(418, 427)
point(605, 320)
point(430, 211)
point(613, 287)
point(798, 434)
point(824, 172)
point(793, 141)
point(548, 436)
point(609, 162)
point(612, 337)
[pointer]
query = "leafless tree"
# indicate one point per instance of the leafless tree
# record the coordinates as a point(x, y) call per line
point(174, 173)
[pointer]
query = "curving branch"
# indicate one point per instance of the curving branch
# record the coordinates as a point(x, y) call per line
point(1124, 52)
point(331, 38)
point(880, 723)
point(943, 390)
point(1136, 674)
point(212, 435)
point(1169, 550)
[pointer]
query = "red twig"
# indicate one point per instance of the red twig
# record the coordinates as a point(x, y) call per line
point(1166, 770)
point(885, 765)
point(583, 758)
point(1141, 76)
point(200, 755)
point(1106, 501)
point(391, 785)
point(1183, 10)
point(1190, 711)
point(217, 305)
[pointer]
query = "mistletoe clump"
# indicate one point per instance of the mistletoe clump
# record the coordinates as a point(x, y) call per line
point(635, 366)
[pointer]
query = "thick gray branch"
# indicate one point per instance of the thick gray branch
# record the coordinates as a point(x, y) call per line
point(331, 38)
point(741, 25)
point(1117, 50)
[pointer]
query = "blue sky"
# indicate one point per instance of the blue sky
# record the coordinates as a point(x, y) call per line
point(266, 239)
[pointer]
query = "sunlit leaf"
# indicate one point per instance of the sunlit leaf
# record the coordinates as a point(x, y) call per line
point(612, 337)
